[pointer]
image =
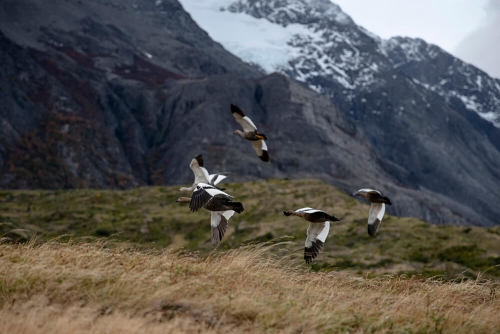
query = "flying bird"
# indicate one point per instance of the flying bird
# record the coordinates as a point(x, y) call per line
point(201, 175)
point(316, 232)
point(250, 133)
point(377, 208)
point(218, 202)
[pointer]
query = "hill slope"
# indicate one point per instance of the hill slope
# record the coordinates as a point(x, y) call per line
point(56, 288)
point(150, 217)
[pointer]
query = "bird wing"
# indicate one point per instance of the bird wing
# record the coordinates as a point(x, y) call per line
point(216, 178)
point(200, 173)
point(368, 190)
point(203, 194)
point(219, 225)
point(375, 216)
point(260, 148)
point(245, 121)
point(316, 236)
point(307, 210)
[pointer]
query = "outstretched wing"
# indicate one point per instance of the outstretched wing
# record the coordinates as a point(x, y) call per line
point(316, 236)
point(375, 216)
point(216, 178)
point(203, 194)
point(245, 122)
point(307, 210)
point(219, 223)
point(260, 148)
point(200, 173)
point(368, 190)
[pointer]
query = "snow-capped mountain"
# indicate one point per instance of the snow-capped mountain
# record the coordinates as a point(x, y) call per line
point(424, 113)
point(435, 69)
point(315, 42)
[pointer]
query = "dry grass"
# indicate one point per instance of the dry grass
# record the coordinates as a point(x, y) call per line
point(150, 217)
point(85, 287)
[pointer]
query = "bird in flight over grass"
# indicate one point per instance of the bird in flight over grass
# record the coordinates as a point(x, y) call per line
point(218, 202)
point(250, 133)
point(201, 174)
point(377, 208)
point(316, 232)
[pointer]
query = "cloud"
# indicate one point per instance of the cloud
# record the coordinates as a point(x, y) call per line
point(482, 46)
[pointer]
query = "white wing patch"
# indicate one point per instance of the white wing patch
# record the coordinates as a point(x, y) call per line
point(249, 124)
point(317, 231)
point(368, 190)
point(308, 210)
point(228, 214)
point(324, 233)
point(200, 173)
point(259, 146)
point(245, 122)
point(377, 211)
point(215, 219)
point(211, 190)
point(216, 178)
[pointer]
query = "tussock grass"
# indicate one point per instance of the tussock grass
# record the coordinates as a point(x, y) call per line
point(85, 287)
point(149, 217)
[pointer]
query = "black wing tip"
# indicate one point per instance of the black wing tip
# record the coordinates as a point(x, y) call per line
point(372, 228)
point(199, 158)
point(312, 252)
point(265, 156)
point(237, 110)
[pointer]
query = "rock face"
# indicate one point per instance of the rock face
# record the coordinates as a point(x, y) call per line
point(106, 93)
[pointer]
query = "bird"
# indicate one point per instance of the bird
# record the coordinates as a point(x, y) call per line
point(250, 133)
point(201, 174)
point(316, 232)
point(377, 208)
point(218, 202)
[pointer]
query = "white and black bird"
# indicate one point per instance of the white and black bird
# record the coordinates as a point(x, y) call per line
point(316, 232)
point(377, 208)
point(201, 174)
point(218, 202)
point(250, 133)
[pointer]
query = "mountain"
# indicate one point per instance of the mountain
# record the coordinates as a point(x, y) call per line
point(432, 119)
point(113, 94)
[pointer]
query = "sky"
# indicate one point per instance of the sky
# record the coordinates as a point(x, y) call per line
point(468, 29)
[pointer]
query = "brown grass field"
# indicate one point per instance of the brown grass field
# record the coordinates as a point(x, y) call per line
point(134, 261)
point(54, 287)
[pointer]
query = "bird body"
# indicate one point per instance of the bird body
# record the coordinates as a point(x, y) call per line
point(377, 209)
point(316, 232)
point(219, 203)
point(250, 133)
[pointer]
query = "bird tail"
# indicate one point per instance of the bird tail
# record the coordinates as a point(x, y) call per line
point(261, 136)
point(386, 200)
point(236, 206)
point(333, 218)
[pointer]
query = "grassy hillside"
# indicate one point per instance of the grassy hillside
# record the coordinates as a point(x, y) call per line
point(149, 217)
point(87, 287)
